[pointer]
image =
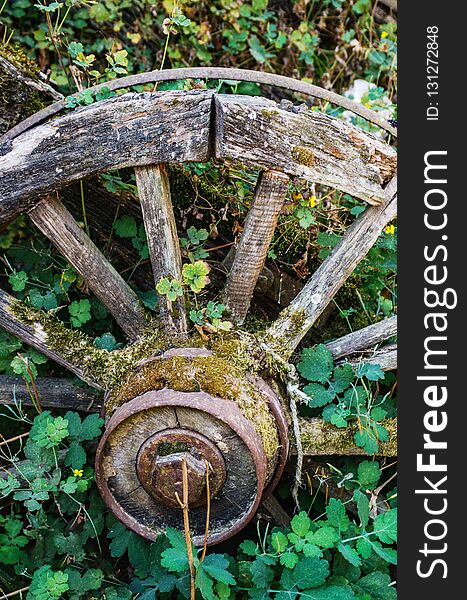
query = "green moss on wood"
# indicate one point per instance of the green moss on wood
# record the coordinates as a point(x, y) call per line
point(303, 155)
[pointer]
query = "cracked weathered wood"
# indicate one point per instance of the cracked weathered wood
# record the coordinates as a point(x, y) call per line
point(252, 249)
point(321, 438)
point(129, 130)
point(57, 224)
point(53, 392)
point(385, 357)
point(294, 322)
point(305, 143)
point(164, 246)
point(33, 334)
point(363, 338)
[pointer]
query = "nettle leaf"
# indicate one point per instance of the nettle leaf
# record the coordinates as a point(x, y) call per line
point(343, 376)
point(363, 507)
point(370, 371)
point(385, 526)
point(350, 554)
point(319, 396)
point(368, 474)
point(310, 572)
point(337, 515)
point(316, 364)
point(126, 227)
point(301, 524)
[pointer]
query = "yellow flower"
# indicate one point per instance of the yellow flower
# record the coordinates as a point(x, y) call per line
point(384, 35)
point(296, 196)
point(312, 201)
point(389, 229)
point(78, 472)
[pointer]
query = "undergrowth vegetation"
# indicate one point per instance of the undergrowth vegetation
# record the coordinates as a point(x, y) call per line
point(57, 539)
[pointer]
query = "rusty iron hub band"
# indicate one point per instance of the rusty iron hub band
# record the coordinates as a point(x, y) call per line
point(159, 466)
point(279, 81)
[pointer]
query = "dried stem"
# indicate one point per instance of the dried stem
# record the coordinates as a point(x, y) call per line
point(186, 527)
point(208, 513)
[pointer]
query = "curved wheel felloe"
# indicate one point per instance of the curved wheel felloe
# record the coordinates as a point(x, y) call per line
point(171, 406)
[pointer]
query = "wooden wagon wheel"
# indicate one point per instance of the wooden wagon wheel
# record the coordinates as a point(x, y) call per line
point(172, 400)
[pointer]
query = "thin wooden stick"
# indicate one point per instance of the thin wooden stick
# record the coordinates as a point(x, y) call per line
point(208, 513)
point(14, 439)
point(15, 593)
point(186, 527)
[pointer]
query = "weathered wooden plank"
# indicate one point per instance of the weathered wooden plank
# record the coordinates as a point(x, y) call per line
point(257, 131)
point(54, 392)
point(33, 333)
point(294, 322)
point(385, 357)
point(321, 438)
point(253, 247)
point(164, 246)
point(363, 338)
point(132, 129)
point(57, 223)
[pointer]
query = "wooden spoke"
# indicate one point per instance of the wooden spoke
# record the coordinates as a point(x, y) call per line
point(56, 223)
point(53, 392)
point(363, 338)
point(128, 130)
point(252, 249)
point(164, 248)
point(385, 357)
point(296, 320)
point(303, 143)
point(321, 438)
point(34, 333)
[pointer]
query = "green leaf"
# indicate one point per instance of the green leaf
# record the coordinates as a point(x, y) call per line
point(368, 474)
point(261, 572)
point(301, 524)
point(204, 584)
point(389, 555)
point(289, 559)
point(91, 427)
point(216, 565)
point(258, 51)
point(310, 572)
point(126, 227)
point(279, 541)
point(175, 560)
point(385, 526)
point(349, 554)
point(47, 584)
point(363, 507)
point(337, 515)
point(18, 280)
point(377, 585)
point(249, 548)
point(105, 342)
point(343, 376)
point(325, 537)
point(370, 371)
point(80, 312)
point(367, 440)
point(75, 456)
point(120, 537)
point(316, 364)
point(364, 547)
point(319, 396)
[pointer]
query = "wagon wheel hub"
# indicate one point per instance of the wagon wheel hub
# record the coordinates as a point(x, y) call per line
point(159, 465)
